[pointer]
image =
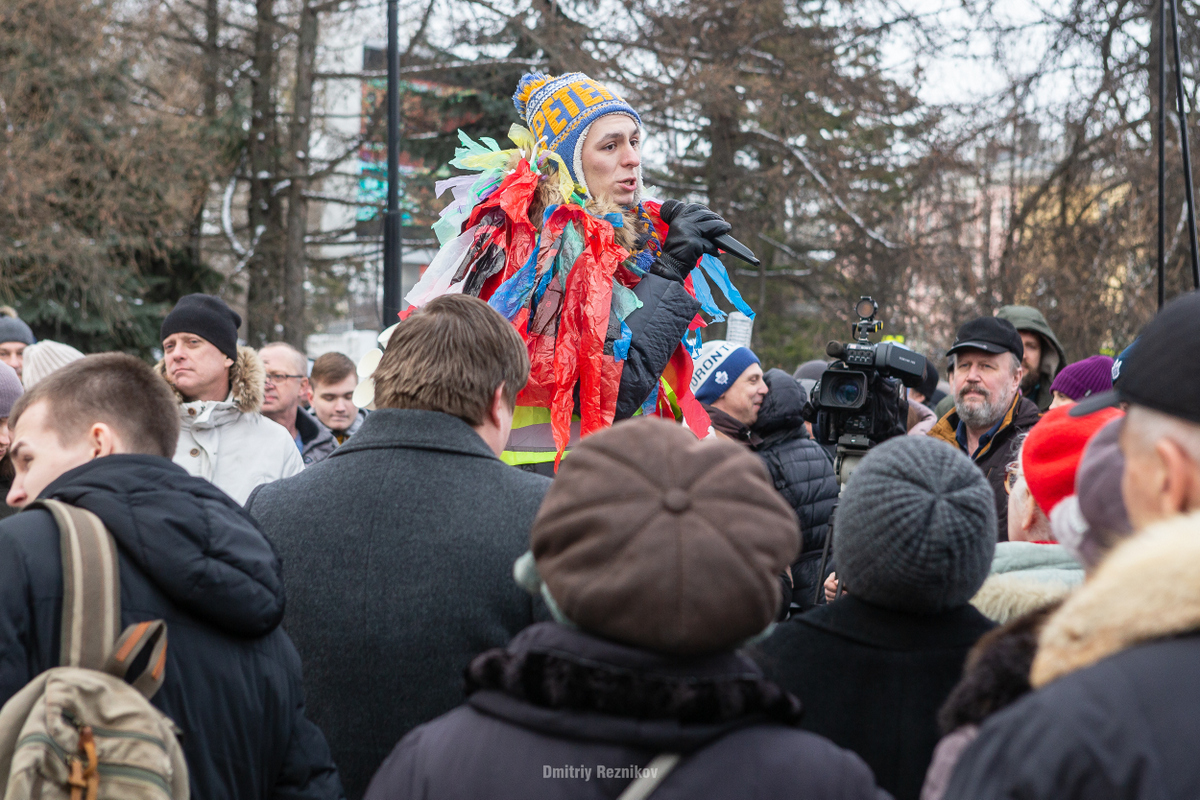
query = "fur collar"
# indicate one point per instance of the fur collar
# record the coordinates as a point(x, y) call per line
point(1145, 590)
point(246, 379)
point(554, 667)
point(1006, 596)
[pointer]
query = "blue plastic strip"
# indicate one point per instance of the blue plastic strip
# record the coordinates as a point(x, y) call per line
point(621, 346)
point(651, 402)
point(704, 295)
point(716, 271)
point(512, 295)
point(693, 341)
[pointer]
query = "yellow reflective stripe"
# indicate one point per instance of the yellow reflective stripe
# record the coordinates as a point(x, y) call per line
point(530, 415)
point(516, 458)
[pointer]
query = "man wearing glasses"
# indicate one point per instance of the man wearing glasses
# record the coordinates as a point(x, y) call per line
point(223, 437)
point(287, 386)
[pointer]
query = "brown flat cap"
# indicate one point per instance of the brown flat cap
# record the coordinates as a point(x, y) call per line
point(653, 538)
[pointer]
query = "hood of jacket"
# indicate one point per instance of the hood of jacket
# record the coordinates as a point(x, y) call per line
point(185, 535)
point(566, 683)
point(1146, 589)
point(313, 433)
point(1028, 318)
point(246, 380)
point(781, 415)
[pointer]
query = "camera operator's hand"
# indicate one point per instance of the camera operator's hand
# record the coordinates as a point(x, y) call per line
point(831, 588)
point(692, 229)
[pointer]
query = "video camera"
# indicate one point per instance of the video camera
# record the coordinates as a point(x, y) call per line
point(858, 402)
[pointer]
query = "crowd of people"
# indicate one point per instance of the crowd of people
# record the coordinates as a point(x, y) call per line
point(482, 581)
point(987, 624)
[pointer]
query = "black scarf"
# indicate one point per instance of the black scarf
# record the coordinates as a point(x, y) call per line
point(733, 428)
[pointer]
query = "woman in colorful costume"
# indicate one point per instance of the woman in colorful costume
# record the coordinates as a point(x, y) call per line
point(556, 236)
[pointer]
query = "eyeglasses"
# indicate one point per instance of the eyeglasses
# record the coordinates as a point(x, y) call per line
point(275, 377)
point(1012, 474)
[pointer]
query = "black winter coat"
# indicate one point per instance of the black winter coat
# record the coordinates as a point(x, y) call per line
point(188, 555)
point(1126, 728)
point(397, 554)
point(802, 473)
point(558, 700)
point(656, 329)
point(872, 680)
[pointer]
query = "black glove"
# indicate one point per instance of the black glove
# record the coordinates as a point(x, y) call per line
point(692, 229)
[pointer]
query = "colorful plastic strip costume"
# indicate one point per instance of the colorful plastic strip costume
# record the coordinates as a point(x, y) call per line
point(565, 285)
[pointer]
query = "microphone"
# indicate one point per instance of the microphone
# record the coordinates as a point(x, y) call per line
point(670, 210)
point(836, 350)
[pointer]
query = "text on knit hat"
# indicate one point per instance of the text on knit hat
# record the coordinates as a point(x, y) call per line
point(562, 108)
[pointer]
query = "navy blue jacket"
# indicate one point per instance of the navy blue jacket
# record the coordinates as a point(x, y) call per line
point(1125, 728)
point(188, 555)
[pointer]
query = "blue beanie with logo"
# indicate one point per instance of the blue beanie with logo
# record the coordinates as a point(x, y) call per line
point(720, 364)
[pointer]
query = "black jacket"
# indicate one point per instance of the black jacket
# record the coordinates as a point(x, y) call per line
point(872, 680)
point(397, 554)
point(657, 328)
point(1124, 728)
point(558, 698)
point(802, 473)
point(188, 555)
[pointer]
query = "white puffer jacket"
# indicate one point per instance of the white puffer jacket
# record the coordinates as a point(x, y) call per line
point(228, 441)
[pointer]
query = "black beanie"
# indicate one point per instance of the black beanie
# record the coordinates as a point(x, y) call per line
point(206, 316)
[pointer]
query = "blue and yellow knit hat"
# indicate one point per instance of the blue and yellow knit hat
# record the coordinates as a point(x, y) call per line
point(562, 109)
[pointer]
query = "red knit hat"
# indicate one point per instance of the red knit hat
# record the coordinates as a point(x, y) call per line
point(1052, 450)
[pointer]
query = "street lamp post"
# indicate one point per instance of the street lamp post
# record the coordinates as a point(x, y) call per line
point(392, 245)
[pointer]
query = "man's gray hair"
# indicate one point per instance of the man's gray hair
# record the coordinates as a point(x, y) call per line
point(299, 360)
point(1146, 427)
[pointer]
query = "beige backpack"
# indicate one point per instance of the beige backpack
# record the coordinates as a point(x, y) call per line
point(86, 730)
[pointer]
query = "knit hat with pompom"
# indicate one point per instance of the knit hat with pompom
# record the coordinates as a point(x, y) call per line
point(562, 108)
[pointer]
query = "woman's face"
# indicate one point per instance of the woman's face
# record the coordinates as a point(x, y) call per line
point(611, 159)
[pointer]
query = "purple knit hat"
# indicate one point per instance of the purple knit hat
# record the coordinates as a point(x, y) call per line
point(1084, 378)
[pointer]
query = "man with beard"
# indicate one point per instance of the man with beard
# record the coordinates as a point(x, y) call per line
point(1043, 357)
point(989, 412)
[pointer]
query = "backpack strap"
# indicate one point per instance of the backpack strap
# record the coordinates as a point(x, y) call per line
point(91, 615)
point(652, 775)
point(149, 638)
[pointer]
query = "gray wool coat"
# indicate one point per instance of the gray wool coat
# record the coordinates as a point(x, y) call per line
point(397, 556)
